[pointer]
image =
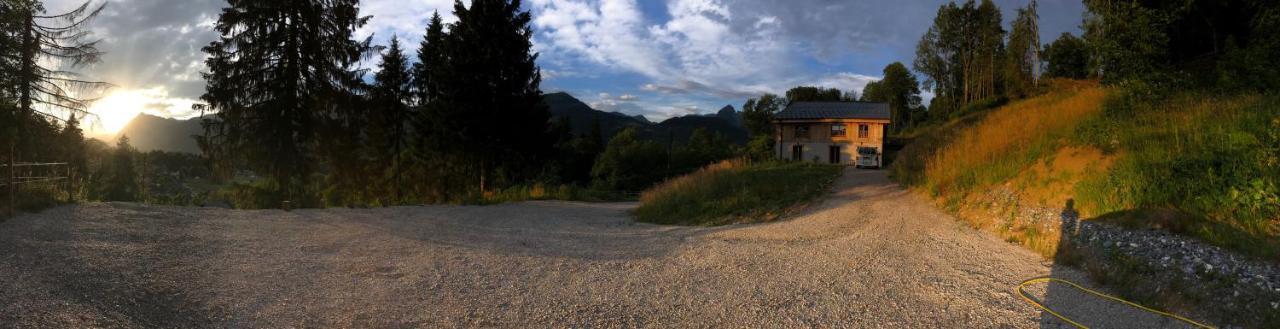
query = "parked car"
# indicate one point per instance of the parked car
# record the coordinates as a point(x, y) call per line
point(868, 157)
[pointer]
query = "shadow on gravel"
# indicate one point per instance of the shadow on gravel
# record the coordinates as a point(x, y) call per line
point(1087, 309)
point(584, 231)
point(70, 266)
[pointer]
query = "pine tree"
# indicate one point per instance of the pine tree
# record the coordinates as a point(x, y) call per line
point(279, 72)
point(122, 177)
point(492, 82)
point(37, 53)
point(391, 95)
point(71, 142)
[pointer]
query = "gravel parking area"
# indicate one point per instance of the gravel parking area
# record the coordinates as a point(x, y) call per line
point(871, 255)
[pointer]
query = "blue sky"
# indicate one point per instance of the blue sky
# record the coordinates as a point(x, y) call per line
point(658, 58)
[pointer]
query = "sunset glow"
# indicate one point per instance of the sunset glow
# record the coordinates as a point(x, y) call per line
point(113, 112)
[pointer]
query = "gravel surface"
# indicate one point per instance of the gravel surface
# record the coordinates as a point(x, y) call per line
point(871, 255)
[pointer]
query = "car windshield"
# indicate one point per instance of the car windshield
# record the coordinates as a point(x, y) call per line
point(867, 150)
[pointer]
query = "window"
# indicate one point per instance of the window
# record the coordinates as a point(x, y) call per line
point(864, 131)
point(797, 152)
point(837, 130)
point(802, 131)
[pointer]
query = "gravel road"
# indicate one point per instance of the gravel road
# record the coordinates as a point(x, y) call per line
point(871, 255)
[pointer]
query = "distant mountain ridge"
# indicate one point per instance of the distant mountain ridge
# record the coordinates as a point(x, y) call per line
point(149, 133)
point(726, 122)
point(152, 133)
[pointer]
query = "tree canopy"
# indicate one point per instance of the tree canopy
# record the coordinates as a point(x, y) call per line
point(1067, 57)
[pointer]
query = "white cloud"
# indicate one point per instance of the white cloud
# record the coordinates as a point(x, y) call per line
point(705, 49)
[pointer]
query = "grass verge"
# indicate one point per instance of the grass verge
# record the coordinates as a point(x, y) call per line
point(736, 191)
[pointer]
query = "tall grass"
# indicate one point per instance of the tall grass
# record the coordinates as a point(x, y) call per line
point(1010, 139)
point(1212, 159)
point(735, 191)
point(1195, 163)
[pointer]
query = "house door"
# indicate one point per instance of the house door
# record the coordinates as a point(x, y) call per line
point(833, 154)
point(797, 152)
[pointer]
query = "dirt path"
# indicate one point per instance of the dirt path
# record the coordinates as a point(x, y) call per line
point(872, 255)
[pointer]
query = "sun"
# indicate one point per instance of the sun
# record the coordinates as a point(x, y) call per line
point(113, 112)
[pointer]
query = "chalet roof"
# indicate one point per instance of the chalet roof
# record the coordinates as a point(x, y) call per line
point(834, 110)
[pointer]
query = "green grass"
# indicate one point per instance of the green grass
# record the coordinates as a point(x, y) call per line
point(736, 192)
point(1210, 164)
point(548, 192)
point(1212, 159)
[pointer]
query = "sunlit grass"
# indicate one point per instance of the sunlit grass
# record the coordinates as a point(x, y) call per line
point(1010, 139)
point(736, 191)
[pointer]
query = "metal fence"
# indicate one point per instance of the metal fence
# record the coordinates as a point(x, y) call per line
point(25, 173)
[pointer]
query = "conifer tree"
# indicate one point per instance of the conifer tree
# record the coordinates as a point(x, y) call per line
point(492, 82)
point(279, 71)
point(391, 95)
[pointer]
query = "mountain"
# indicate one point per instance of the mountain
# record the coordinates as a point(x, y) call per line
point(581, 116)
point(727, 121)
point(150, 133)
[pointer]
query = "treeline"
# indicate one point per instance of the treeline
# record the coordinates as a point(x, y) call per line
point(460, 120)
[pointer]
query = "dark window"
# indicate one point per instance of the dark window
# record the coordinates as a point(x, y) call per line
point(833, 154)
point(802, 131)
point(837, 130)
point(864, 131)
point(797, 152)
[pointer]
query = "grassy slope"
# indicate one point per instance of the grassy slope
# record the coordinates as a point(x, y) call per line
point(735, 192)
point(1208, 161)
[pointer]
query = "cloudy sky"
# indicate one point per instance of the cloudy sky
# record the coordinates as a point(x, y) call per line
point(658, 58)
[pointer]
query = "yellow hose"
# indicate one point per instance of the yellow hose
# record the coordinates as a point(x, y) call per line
point(1025, 296)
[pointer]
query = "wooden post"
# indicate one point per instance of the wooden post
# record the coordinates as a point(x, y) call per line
point(13, 186)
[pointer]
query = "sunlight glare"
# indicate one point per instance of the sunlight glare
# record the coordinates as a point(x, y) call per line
point(116, 110)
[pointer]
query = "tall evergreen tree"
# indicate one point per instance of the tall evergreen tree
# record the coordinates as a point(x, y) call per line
point(38, 52)
point(279, 69)
point(492, 82)
point(391, 96)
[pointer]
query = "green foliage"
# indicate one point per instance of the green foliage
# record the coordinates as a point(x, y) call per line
point(736, 193)
point(1067, 57)
point(958, 55)
point(757, 114)
point(819, 94)
point(901, 90)
point(293, 89)
point(120, 178)
point(388, 122)
point(630, 163)
point(1202, 44)
point(760, 148)
point(1210, 158)
point(1022, 53)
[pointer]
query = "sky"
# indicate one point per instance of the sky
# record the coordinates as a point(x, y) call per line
point(657, 58)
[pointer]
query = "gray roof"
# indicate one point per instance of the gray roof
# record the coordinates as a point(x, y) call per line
point(834, 110)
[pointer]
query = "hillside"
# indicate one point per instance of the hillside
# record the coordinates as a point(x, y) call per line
point(1189, 164)
point(151, 133)
point(1147, 194)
